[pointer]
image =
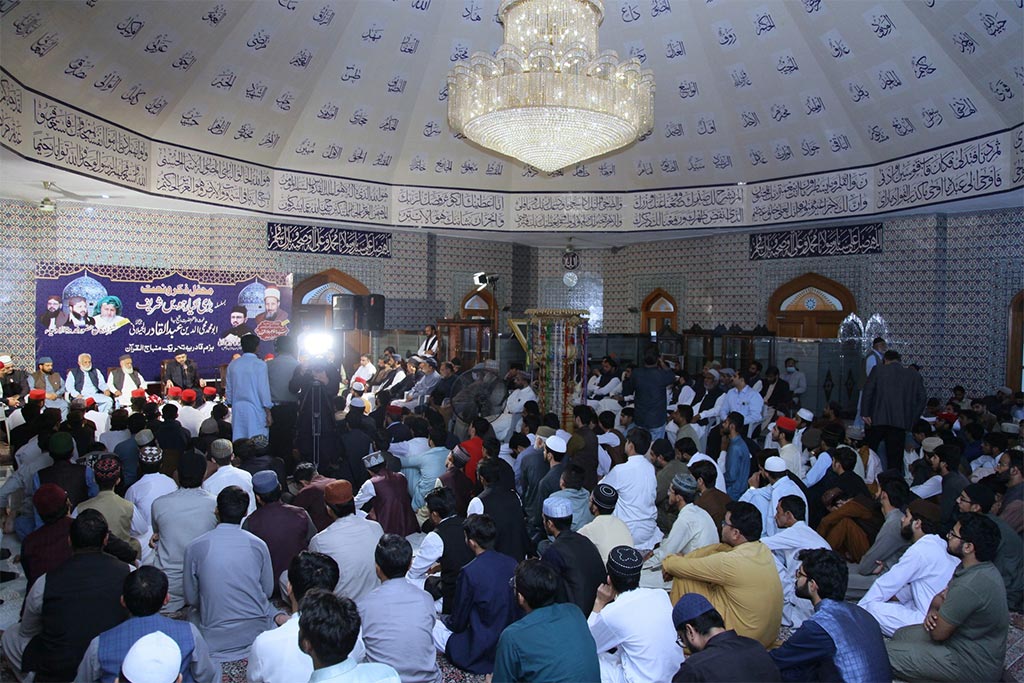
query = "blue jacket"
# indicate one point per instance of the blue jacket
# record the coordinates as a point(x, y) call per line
point(737, 468)
point(484, 606)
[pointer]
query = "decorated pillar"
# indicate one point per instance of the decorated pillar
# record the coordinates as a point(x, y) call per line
point(558, 351)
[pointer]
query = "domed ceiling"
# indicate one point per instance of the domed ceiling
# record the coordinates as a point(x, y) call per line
point(765, 112)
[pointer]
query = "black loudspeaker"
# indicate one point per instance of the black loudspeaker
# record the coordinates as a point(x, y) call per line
point(373, 313)
point(343, 313)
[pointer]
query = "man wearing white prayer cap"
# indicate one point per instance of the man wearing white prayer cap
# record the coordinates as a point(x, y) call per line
point(272, 307)
point(154, 658)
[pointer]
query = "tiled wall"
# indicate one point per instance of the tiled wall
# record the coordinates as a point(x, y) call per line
point(943, 283)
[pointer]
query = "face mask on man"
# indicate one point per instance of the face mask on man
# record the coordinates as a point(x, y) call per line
point(790, 368)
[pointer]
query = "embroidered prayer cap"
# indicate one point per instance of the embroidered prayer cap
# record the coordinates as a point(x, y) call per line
point(930, 444)
point(684, 483)
point(260, 443)
point(357, 403)
point(265, 481)
point(786, 423)
point(625, 561)
point(78, 403)
point(49, 499)
point(714, 373)
point(728, 372)
point(429, 360)
point(138, 393)
point(338, 492)
point(37, 395)
point(154, 658)
point(374, 459)
point(474, 447)
point(556, 444)
point(805, 414)
point(209, 426)
point(209, 391)
point(557, 507)
point(605, 496)
point(358, 385)
point(150, 454)
point(854, 433)
point(107, 469)
point(189, 395)
point(272, 292)
point(174, 392)
point(221, 450)
point(775, 464)
point(459, 456)
point(61, 443)
point(90, 402)
point(689, 607)
point(144, 438)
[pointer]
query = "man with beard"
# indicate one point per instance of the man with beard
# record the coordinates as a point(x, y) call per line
point(12, 383)
point(184, 373)
point(123, 380)
point(49, 381)
point(238, 327)
point(272, 307)
point(85, 381)
point(1008, 559)
point(965, 629)
point(839, 641)
point(921, 573)
point(431, 345)
point(54, 316)
point(1010, 469)
point(605, 384)
point(79, 318)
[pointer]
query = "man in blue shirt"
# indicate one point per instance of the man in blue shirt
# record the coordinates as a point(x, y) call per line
point(525, 651)
point(840, 641)
point(737, 458)
point(649, 385)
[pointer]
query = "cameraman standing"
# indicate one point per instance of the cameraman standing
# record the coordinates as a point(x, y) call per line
point(316, 435)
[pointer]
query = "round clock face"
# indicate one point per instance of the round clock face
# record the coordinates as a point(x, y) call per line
point(570, 279)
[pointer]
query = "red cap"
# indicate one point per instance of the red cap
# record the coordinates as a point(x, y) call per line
point(948, 417)
point(37, 395)
point(90, 402)
point(394, 411)
point(49, 499)
point(174, 392)
point(338, 492)
point(188, 396)
point(138, 393)
point(153, 398)
point(786, 423)
point(2, 366)
point(209, 391)
point(269, 356)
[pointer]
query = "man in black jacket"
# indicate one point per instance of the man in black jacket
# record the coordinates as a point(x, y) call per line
point(893, 399)
point(576, 559)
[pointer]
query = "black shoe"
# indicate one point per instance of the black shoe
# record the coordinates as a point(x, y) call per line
point(5, 553)
point(7, 576)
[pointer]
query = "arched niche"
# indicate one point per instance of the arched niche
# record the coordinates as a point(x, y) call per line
point(811, 306)
point(312, 299)
point(658, 309)
point(478, 305)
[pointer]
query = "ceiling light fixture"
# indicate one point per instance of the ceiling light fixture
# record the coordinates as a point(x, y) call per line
point(47, 205)
point(547, 97)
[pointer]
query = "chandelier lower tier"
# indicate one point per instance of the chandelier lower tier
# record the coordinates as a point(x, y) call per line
point(547, 97)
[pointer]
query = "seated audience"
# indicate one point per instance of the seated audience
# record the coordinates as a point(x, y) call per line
point(443, 552)
point(286, 529)
point(900, 596)
point(1008, 560)
point(69, 606)
point(226, 474)
point(738, 576)
point(965, 628)
point(144, 594)
point(636, 482)
point(666, 466)
point(632, 626)
point(311, 494)
point(123, 520)
point(572, 490)
point(484, 604)
point(889, 544)
point(398, 617)
point(715, 653)
point(793, 537)
point(767, 488)
point(691, 529)
point(839, 641)
point(387, 495)
point(328, 631)
point(574, 557)
point(231, 613)
point(151, 485)
point(607, 530)
point(525, 651)
point(350, 540)
point(709, 497)
point(1011, 470)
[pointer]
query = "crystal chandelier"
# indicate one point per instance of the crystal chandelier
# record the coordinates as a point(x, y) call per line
point(547, 97)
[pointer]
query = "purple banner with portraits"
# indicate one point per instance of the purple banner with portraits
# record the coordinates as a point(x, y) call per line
point(151, 313)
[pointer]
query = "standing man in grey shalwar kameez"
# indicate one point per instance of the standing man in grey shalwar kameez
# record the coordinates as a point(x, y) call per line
point(248, 392)
point(228, 578)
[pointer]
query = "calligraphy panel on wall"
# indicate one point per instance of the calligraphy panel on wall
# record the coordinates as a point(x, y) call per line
point(150, 313)
point(314, 239)
point(837, 241)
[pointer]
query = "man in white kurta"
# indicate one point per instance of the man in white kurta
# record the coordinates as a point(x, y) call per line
point(766, 498)
point(793, 536)
point(635, 622)
point(637, 485)
point(517, 398)
point(150, 486)
point(248, 392)
point(901, 596)
point(692, 529)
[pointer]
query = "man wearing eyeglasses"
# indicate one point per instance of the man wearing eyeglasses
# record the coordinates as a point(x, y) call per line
point(1010, 555)
point(965, 628)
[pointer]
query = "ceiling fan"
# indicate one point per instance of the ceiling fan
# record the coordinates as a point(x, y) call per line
point(50, 186)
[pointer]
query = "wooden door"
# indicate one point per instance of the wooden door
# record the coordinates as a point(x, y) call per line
point(811, 306)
